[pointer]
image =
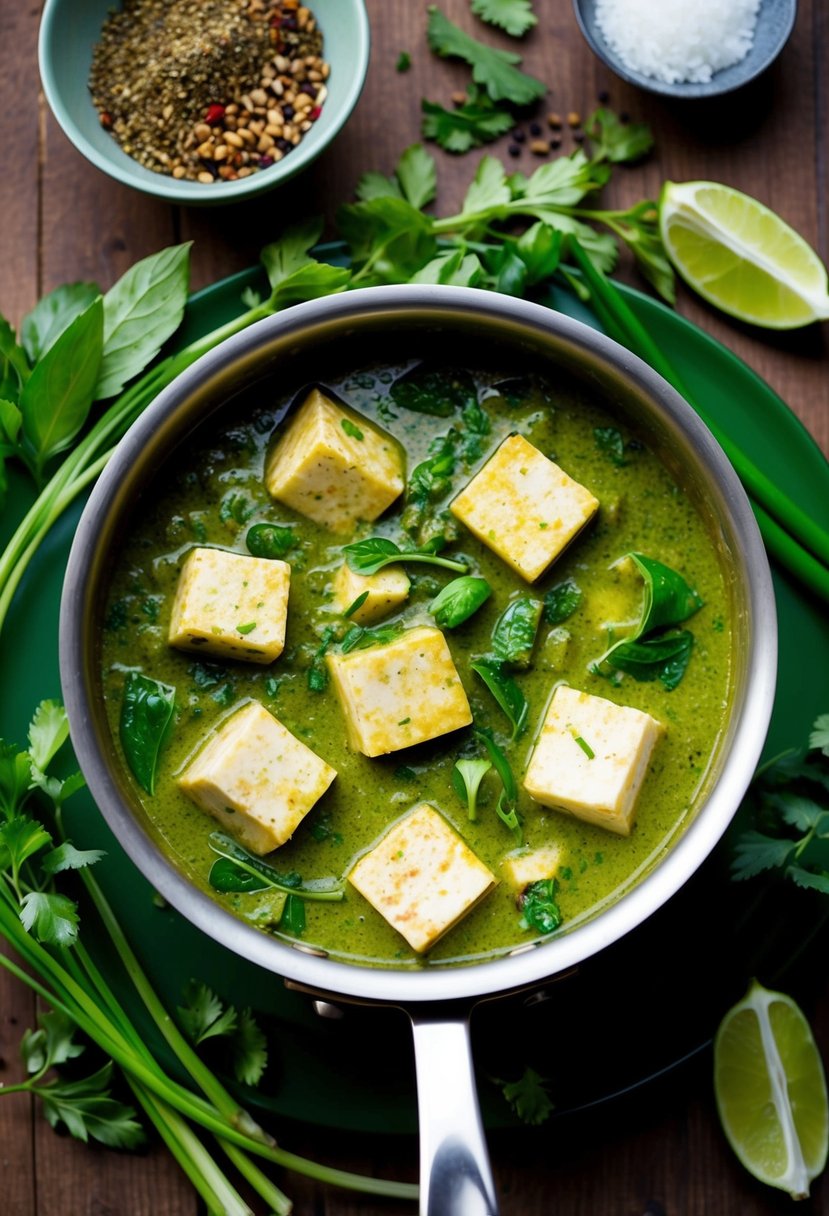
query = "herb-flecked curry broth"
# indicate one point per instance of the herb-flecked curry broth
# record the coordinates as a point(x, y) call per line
point(213, 492)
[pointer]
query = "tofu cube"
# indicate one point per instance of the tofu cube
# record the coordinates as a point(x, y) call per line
point(524, 507)
point(384, 591)
point(231, 605)
point(399, 694)
point(334, 466)
point(525, 866)
point(422, 877)
point(601, 788)
point(256, 778)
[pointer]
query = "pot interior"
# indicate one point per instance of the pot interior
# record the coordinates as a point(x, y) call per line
point(319, 342)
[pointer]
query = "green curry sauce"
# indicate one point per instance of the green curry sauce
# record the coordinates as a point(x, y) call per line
point(214, 493)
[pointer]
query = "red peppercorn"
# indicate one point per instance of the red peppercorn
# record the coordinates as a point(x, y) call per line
point(315, 113)
point(106, 119)
point(215, 113)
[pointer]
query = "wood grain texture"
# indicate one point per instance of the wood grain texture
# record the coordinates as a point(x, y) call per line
point(63, 220)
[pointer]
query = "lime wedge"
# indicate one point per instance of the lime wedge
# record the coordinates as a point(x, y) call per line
point(741, 257)
point(771, 1091)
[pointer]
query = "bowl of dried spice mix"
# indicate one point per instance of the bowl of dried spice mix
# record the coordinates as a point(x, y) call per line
point(203, 101)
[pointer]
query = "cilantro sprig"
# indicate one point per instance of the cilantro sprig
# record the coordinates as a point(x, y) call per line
point(41, 923)
point(493, 69)
point(789, 812)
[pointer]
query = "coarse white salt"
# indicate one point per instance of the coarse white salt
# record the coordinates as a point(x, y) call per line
point(678, 40)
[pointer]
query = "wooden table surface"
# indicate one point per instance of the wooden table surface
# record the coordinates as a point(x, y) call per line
point(62, 220)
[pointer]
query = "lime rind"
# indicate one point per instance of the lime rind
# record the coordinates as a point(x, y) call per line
point(741, 256)
point(771, 1091)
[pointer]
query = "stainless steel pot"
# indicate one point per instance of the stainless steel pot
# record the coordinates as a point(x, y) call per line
point(350, 330)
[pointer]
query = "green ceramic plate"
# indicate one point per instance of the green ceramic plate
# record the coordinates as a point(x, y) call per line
point(328, 1072)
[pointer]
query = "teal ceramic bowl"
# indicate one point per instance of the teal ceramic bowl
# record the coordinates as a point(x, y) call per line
point(70, 28)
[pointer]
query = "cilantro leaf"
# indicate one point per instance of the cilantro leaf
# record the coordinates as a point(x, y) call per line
point(249, 1049)
point(48, 731)
point(377, 185)
point(291, 252)
point(53, 1043)
point(417, 175)
point(454, 269)
point(20, 838)
point(756, 852)
point(67, 857)
point(203, 1016)
point(819, 737)
point(389, 239)
point(51, 917)
point(528, 1097)
point(478, 121)
point(514, 16)
point(495, 70)
point(488, 189)
point(799, 812)
point(87, 1110)
point(615, 141)
point(810, 879)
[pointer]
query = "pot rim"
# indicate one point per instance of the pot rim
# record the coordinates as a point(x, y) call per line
point(532, 964)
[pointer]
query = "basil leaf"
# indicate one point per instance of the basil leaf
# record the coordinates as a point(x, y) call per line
point(259, 871)
point(146, 714)
point(458, 600)
point(663, 658)
point(467, 776)
point(505, 691)
point(14, 361)
point(513, 637)
point(668, 598)
point(53, 314)
point(562, 601)
point(292, 920)
point(667, 601)
point(357, 638)
point(141, 311)
point(538, 906)
point(270, 540)
point(57, 397)
point(309, 283)
point(372, 554)
point(226, 875)
point(438, 391)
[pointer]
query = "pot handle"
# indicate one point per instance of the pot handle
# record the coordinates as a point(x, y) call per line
point(455, 1174)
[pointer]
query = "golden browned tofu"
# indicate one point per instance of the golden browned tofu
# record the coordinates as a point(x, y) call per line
point(256, 778)
point(231, 605)
point(384, 591)
point(399, 694)
point(334, 466)
point(422, 877)
point(524, 507)
point(591, 758)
